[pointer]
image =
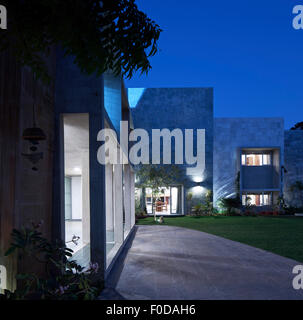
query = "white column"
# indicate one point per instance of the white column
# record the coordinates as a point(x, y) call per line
point(109, 197)
point(118, 205)
point(85, 198)
point(127, 197)
point(132, 198)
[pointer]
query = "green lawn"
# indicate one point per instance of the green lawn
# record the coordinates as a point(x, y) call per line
point(281, 235)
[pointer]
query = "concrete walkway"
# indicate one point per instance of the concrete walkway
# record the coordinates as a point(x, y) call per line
point(176, 263)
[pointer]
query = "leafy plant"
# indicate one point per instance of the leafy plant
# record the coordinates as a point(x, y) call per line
point(64, 278)
point(189, 197)
point(297, 186)
point(101, 35)
point(209, 202)
point(198, 209)
point(280, 204)
point(229, 204)
point(292, 210)
point(297, 126)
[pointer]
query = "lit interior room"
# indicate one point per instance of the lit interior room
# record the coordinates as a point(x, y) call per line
point(76, 173)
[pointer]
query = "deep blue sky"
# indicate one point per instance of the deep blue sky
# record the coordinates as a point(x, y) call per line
point(247, 50)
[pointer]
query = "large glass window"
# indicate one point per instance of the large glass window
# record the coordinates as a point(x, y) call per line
point(256, 159)
point(76, 171)
point(118, 203)
point(110, 207)
point(257, 199)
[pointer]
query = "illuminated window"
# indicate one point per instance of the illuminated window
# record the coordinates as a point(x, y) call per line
point(258, 199)
point(256, 159)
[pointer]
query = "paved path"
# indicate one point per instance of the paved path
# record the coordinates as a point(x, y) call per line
point(176, 263)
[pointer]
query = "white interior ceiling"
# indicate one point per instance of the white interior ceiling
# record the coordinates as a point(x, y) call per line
point(76, 142)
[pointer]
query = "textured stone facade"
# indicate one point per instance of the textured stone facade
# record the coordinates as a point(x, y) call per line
point(231, 134)
point(184, 108)
point(294, 166)
point(192, 108)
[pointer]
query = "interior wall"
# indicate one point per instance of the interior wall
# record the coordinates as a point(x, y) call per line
point(76, 197)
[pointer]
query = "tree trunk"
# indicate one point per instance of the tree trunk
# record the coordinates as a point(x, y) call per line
point(153, 207)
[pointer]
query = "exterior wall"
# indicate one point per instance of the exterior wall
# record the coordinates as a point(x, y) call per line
point(184, 108)
point(101, 99)
point(113, 99)
point(263, 177)
point(79, 93)
point(231, 134)
point(294, 166)
point(25, 195)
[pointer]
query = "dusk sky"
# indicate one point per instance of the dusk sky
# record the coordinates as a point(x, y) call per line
point(247, 50)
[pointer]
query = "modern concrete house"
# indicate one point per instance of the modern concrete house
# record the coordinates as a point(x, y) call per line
point(254, 157)
point(93, 205)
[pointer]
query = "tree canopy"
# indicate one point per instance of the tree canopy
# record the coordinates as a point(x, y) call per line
point(297, 126)
point(157, 177)
point(101, 35)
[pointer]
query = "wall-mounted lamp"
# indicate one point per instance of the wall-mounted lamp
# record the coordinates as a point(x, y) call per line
point(197, 179)
point(33, 135)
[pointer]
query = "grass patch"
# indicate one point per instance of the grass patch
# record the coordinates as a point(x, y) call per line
point(280, 235)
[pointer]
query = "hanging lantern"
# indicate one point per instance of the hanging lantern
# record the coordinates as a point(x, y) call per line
point(34, 135)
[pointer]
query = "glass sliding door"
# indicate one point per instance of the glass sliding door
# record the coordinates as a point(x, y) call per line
point(110, 200)
point(165, 201)
point(116, 211)
point(126, 195)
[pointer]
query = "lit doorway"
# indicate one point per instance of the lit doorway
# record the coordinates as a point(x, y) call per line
point(167, 201)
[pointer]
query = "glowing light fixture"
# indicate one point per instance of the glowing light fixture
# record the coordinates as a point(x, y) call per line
point(77, 169)
point(198, 179)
